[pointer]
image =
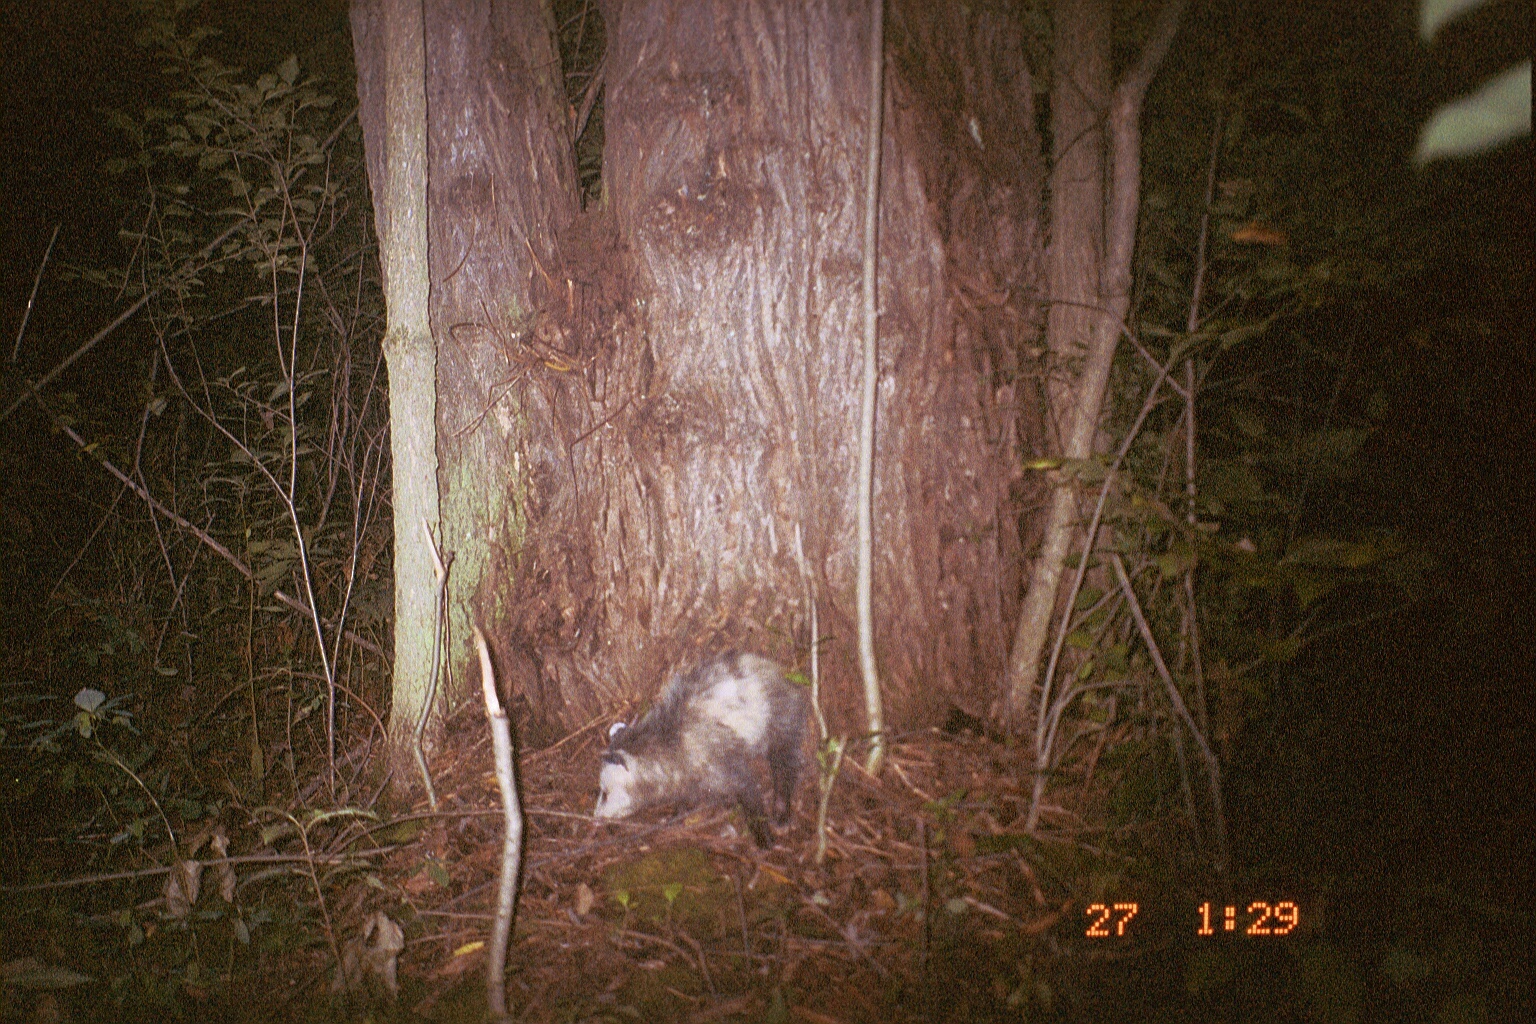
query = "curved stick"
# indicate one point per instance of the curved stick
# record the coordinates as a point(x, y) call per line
point(512, 837)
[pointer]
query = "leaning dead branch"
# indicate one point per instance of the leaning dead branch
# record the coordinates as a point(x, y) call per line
point(512, 834)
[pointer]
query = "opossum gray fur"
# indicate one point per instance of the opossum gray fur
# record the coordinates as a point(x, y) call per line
point(701, 739)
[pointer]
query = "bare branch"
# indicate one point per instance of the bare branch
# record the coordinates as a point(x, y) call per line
point(36, 387)
point(1134, 86)
point(27, 315)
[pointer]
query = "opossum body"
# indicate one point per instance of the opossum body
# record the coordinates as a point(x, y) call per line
point(701, 739)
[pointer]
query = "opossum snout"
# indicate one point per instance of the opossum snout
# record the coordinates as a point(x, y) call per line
point(615, 784)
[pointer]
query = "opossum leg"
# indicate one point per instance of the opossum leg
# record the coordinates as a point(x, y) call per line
point(757, 821)
point(751, 800)
point(784, 767)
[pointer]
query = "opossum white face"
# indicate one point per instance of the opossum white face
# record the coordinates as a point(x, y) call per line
point(615, 797)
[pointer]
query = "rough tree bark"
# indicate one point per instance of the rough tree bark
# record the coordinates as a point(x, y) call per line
point(502, 192)
point(719, 338)
point(500, 185)
point(639, 406)
point(387, 36)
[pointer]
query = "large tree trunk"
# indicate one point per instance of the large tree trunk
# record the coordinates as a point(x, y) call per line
point(503, 190)
point(714, 315)
point(647, 411)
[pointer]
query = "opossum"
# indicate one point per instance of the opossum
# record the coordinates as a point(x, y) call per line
point(702, 738)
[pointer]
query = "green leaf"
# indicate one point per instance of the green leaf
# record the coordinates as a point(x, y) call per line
point(1330, 454)
point(1283, 651)
point(274, 831)
point(944, 804)
point(1496, 113)
point(1087, 598)
point(1313, 586)
point(1435, 13)
point(89, 700)
point(1177, 560)
point(1330, 552)
point(1245, 332)
point(400, 832)
point(288, 70)
point(1249, 422)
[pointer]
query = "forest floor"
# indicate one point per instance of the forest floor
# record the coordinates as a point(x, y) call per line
point(924, 907)
point(931, 902)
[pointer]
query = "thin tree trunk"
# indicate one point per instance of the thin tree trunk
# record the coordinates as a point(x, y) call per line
point(1074, 262)
point(1112, 291)
point(874, 718)
point(388, 35)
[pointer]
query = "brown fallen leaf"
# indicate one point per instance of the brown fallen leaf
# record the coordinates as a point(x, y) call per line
point(1255, 233)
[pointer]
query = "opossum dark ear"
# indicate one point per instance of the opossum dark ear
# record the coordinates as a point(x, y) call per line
point(615, 729)
point(613, 759)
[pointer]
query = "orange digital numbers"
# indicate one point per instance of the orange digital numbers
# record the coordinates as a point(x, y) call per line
point(1104, 913)
point(1267, 919)
point(1285, 915)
